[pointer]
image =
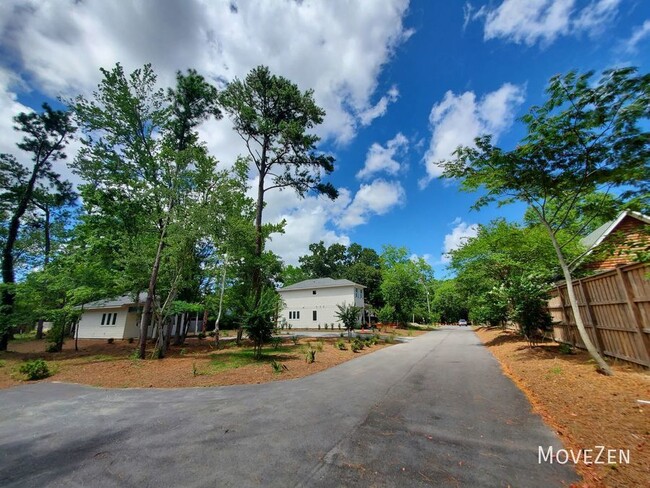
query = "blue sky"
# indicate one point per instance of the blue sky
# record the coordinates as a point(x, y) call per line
point(402, 82)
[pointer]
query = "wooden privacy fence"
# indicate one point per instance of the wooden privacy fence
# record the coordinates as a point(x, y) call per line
point(615, 308)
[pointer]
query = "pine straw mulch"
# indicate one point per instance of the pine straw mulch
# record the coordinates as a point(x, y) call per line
point(586, 408)
point(195, 364)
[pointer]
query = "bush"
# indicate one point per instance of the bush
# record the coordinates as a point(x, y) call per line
point(389, 339)
point(358, 343)
point(318, 345)
point(52, 347)
point(130, 340)
point(566, 348)
point(295, 340)
point(278, 367)
point(310, 357)
point(201, 336)
point(276, 341)
point(110, 340)
point(341, 345)
point(318, 326)
point(36, 369)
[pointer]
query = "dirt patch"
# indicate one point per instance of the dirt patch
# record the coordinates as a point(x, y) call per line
point(197, 363)
point(586, 408)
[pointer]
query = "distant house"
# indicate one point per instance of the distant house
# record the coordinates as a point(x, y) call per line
point(616, 242)
point(311, 303)
point(116, 318)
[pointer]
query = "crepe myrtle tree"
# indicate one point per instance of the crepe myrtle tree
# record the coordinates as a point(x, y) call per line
point(349, 315)
point(586, 137)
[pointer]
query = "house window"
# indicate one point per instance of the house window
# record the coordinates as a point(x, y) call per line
point(314, 315)
point(294, 315)
point(109, 318)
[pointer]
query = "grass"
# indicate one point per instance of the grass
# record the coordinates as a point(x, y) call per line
point(243, 357)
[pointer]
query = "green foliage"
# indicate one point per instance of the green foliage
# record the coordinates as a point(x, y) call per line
point(349, 315)
point(340, 344)
point(357, 345)
point(310, 356)
point(257, 319)
point(566, 348)
point(529, 297)
point(278, 367)
point(386, 314)
point(35, 369)
point(389, 339)
point(404, 282)
point(276, 342)
point(295, 339)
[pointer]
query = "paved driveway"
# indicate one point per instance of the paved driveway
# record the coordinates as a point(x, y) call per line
point(434, 411)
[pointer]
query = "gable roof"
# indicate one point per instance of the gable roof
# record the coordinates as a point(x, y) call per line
point(320, 283)
point(123, 301)
point(596, 237)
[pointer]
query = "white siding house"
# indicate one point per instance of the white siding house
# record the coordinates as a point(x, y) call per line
point(115, 318)
point(311, 303)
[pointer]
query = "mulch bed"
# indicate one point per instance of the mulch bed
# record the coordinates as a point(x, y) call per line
point(586, 408)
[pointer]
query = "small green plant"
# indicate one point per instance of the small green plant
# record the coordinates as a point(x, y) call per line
point(318, 326)
point(2, 363)
point(318, 345)
point(183, 352)
point(295, 339)
point(555, 370)
point(211, 333)
point(276, 341)
point(310, 357)
point(201, 336)
point(566, 348)
point(35, 369)
point(195, 371)
point(157, 353)
point(110, 340)
point(355, 346)
point(135, 356)
point(389, 339)
point(278, 367)
point(52, 347)
point(340, 344)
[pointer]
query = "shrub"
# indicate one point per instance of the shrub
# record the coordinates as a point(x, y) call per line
point(183, 352)
point(356, 347)
point(341, 345)
point(157, 353)
point(339, 326)
point(211, 333)
point(52, 347)
point(566, 348)
point(110, 340)
point(130, 340)
point(318, 345)
point(389, 339)
point(318, 326)
point(278, 367)
point(2, 363)
point(135, 355)
point(36, 369)
point(310, 357)
point(295, 340)
point(201, 336)
point(276, 341)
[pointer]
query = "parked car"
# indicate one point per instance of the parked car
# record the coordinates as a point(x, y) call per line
point(462, 322)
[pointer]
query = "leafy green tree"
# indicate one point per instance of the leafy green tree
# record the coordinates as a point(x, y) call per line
point(349, 315)
point(142, 153)
point(586, 137)
point(274, 119)
point(449, 302)
point(257, 318)
point(402, 281)
point(46, 136)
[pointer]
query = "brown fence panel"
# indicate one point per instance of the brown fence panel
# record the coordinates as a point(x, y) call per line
point(615, 308)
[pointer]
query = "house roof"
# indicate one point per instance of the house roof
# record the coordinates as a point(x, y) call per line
point(123, 301)
point(597, 236)
point(594, 239)
point(320, 283)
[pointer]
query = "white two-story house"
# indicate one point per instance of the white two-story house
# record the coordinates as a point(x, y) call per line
point(311, 303)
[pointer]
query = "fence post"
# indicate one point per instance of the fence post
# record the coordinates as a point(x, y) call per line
point(635, 314)
point(592, 317)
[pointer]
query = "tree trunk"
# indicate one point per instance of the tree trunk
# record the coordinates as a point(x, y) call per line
point(179, 326)
point(48, 242)
point(603, 367)
point(148, 304)
point(259, 241)
point(39, 329)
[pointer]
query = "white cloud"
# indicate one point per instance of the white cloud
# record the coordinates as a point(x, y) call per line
point(306, 222)
point(379, 109)
point(336, 48)
point(459, 119)
point(458, 236)
point(382, 159)
point(640, 33)
point(532, 21)
point(376, 198)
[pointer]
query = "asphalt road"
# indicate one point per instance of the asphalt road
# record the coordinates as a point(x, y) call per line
point(436, 411)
